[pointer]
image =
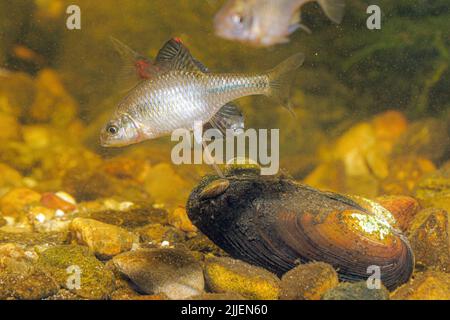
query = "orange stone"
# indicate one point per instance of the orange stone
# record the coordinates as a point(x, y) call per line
point(403, 208)
point(52, 201)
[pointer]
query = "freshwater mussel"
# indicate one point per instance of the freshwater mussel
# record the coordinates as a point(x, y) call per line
point(277, 223)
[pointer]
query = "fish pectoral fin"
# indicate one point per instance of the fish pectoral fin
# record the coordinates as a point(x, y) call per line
point(135, 67)
point(334, 9)
point(229, 117)
point(175, 56)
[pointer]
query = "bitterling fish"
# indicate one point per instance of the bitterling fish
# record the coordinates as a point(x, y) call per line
point(179, 92)
point(268, 22)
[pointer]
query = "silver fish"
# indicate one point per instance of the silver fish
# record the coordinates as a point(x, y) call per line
point(268, 22)
point(182, 93)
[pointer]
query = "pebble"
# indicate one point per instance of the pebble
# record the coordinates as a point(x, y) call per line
point(179, 219)
point(308, 281)
point(105, 240)
point(226, 275)
point(172, 272)
point(431, 285)
point(21, 277)
point(429, 236)
point(403, 208)
point(62, 263)
point(356, 291)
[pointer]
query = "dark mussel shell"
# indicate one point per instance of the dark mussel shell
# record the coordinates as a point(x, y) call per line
point(276, 223)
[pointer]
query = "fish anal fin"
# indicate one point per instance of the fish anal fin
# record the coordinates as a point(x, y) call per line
point(229, 117)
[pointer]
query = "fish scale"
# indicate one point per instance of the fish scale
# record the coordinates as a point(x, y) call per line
point(178, 99)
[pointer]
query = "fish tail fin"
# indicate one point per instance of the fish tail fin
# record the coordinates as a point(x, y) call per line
point(281, 78)
point(334, 9)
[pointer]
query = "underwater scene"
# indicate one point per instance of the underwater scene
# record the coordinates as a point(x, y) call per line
point(225, 150)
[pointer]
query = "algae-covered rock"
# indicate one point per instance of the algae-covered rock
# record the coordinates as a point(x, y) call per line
point(64, 261)
point(203, 244)
point(103, 239)
point(356, 291)
point(308, 281)
point(226, 275)
point(30, 239)
point(403, 208)
point(172, 272)
point(427, 138)
point(430, 285)
point(404, 174)
point(157, 234)
point(434, 189)
point(20, 277)
point(429, 236)
point(134, 217)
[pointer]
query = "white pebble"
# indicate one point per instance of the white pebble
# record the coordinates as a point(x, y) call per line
point(40, 217)
point(66, 197)
point(165, 243)
point(59, 213)
point(125, 205)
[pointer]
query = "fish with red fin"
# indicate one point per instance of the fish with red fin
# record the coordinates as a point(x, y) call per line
point(175, 91)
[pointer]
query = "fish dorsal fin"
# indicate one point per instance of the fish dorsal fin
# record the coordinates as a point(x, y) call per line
point(228, 117)
point(135, 67)
point(175, 56)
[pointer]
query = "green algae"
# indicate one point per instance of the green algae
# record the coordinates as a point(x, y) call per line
point(96, 281)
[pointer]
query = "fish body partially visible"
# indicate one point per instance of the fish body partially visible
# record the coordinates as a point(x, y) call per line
point(179, 92)
point(267, 22)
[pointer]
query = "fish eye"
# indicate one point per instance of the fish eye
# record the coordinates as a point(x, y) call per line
point(112, 129)
point(237, 18)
